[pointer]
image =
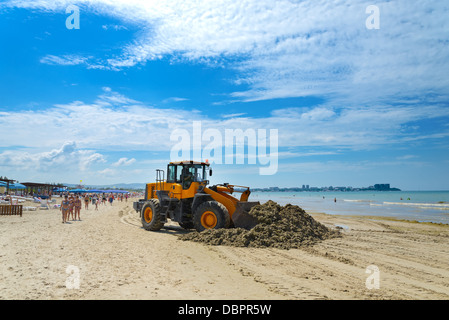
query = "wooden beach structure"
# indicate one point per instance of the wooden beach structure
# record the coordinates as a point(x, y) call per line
point(11, 210)
point(41, 189)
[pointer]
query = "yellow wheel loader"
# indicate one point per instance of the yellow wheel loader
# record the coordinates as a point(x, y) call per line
point(184, 197)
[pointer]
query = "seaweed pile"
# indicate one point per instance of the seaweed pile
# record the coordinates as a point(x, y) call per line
point(284, 227)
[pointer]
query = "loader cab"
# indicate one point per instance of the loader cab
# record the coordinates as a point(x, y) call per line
point(186, 172)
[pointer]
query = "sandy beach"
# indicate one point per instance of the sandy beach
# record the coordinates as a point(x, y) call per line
point(117, 259)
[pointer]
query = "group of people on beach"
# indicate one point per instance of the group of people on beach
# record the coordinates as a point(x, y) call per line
point(71, 205)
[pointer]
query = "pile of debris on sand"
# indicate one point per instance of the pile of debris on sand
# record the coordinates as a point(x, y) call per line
point(284, 227)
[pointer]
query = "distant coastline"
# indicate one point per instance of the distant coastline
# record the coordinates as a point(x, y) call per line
point(304, 188)
point(307, 188)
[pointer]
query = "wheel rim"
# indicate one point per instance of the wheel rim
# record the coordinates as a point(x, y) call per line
point(209, 220)
point(148, 215)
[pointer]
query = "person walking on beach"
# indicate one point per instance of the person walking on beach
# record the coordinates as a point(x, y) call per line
point(65, 204)
point(86, 201)
point(111, 198)
point(77, 207)
point(94, 201)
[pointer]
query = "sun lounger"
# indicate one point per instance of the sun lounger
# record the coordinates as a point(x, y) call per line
point(44, 206)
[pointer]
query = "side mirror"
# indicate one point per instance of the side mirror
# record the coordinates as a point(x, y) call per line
point(210, 172)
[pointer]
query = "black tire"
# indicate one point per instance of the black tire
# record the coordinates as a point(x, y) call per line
point(211, 215)
point(151, 215)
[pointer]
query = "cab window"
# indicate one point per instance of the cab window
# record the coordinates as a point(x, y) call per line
point(171, 173)
point(197, 172)
point(186, 173)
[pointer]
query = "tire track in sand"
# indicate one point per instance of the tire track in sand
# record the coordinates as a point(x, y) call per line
point(131, 217)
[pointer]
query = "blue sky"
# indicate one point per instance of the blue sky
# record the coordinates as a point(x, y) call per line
point(352, 106)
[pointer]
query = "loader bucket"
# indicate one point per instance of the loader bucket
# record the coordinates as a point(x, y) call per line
point(241, 216)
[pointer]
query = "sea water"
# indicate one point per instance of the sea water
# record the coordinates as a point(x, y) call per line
point(423, 206)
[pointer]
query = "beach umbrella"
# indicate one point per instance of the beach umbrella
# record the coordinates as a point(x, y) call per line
point(2, 183)
point(77, 191)
point(16, 186)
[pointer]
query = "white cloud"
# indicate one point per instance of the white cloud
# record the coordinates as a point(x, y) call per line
point(108, 172)
point(233, 115)
point(109, 98)
point(407, 157)
point(113, 27)
point(112, 122)
point(65, 60)
point(67, 157)
point(174, 99)
point(73, 60)
point(124, 162)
